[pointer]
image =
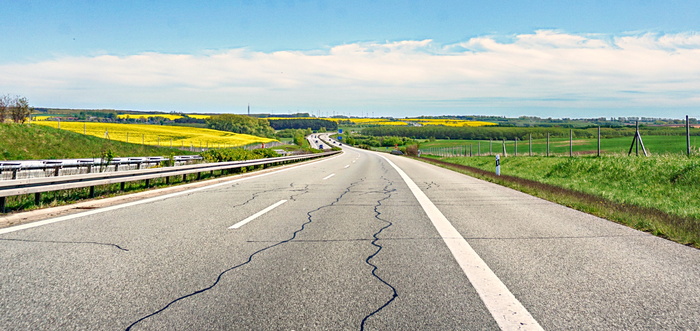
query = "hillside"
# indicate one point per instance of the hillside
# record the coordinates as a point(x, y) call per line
point(30, 142)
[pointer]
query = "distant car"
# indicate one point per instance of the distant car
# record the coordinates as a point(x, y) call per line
point(397, 152)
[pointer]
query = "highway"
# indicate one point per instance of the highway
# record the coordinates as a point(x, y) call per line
point(359, 241)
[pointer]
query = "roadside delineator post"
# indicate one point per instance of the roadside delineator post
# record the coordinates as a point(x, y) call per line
point(498, 164)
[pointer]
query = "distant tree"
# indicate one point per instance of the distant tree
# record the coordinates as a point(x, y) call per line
point(4, 105)
point(16, 108)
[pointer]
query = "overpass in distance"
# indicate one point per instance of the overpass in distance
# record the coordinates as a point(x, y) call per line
point(358, 241)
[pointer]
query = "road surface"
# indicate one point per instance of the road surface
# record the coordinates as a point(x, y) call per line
point(357, 241)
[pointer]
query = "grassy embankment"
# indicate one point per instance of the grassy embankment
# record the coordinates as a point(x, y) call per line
point(660, 195)
point(32, 142)
point(29, 142)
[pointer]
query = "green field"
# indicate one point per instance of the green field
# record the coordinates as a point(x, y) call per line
point(667, 183)
point(560, 146)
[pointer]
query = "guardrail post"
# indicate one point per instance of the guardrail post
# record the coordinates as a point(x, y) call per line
point(148, 183)
point(122, 186)
point(56, 171)
point(184, 177)
point(89, 168)
point(37, 198)
point(2, 204)
point(167, 180)
point(14, 173)
point(92, 191)
point(199, 175)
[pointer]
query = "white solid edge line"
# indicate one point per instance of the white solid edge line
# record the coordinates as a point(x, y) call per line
point(329, 176)
point(134, 203)
point(505, 308)
point(256, 215)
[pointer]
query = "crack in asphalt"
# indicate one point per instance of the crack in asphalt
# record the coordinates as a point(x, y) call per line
point(250, 258)
point(303, 191)
point(65, 242)
point(430, 185)
point(377, 215)
point(468, 238)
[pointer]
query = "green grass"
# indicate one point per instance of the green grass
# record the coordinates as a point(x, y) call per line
point(560, 146)
point(30, 142)
point(669, 184)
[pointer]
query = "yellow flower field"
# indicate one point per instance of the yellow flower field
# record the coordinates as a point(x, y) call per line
point(407, 121)
point(163, 135)
point(199, 117)
point(145, 116)
point(446, 122)
point(167, 116)
point(41, 117)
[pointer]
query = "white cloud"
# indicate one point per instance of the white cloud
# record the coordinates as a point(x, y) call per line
point(547, 69)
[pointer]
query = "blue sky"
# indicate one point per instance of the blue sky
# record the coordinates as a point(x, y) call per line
point(387, 58)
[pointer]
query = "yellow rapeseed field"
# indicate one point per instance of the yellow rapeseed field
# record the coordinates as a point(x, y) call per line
point(407, 121)
point(199, 117)
point(446, 122)
point(145, 116)
point(171, 117)
point(41, 117)
point(163, 135)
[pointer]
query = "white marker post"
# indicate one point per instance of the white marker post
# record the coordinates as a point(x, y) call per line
point(498, 164)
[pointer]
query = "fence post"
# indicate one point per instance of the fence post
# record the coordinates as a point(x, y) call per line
point(490, 147)
point(687, 134)
point(571, 142)
point(530, 144)
point(599, 140)
point(516, 147)
point(547, 143)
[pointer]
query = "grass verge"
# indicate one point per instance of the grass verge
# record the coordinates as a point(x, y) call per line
point(684, 229)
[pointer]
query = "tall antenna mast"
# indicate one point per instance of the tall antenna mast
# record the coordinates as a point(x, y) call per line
point(248, 109)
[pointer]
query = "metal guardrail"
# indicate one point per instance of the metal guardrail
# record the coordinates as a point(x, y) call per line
point(48, 168)
point(47, 184)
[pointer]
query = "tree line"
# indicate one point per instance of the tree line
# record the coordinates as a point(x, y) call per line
point(241, 124)
point(304, 123)
point(15, 109)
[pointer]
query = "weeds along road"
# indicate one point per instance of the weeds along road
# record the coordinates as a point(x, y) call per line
point(345, 243)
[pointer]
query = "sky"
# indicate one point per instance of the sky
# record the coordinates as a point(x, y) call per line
point(560, 59)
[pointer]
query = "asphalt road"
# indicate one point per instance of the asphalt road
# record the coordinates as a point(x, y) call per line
point(345, 244)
